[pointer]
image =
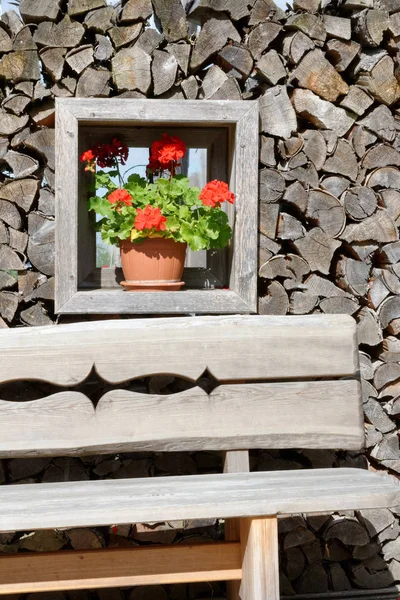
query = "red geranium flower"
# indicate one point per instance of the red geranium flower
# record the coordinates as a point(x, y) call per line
point(120, 197)
point(167, 151)
point(87, 156)
point(149, 218)
point(215, 192)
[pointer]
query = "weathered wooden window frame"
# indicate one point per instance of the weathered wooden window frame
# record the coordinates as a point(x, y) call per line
point(76, 279)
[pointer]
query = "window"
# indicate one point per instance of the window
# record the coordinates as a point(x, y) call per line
point(222, 138)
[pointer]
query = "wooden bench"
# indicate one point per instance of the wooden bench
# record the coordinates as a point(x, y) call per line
point(284, 382)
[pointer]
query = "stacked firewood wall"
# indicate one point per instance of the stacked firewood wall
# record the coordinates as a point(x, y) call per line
point(328, 83)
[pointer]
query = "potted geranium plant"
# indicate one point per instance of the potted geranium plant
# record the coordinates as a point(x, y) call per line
point(154, 219)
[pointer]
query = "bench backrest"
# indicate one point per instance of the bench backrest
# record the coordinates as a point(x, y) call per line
point(284, 382)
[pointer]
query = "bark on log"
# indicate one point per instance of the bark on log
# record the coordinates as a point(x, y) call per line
point(316, 73)
point(131, 70)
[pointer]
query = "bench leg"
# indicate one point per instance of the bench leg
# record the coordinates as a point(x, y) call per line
point(260, 559)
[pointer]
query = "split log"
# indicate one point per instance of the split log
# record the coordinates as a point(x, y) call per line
point(321, 113)
point(9, 214)
point(103, 49)
point(268, 219)
point(299, 160)
point(271, 67)
point(296, 195)
point(326, 212)
point(149, 41)
point(94, 83)
point(370, 26)
point(302, 303)
point(264, 10)
point(181, 52)
point(289, 228)
point(46, 203)
point(316, 73)
point(381, 155)
point(50, 178)
point(218, 86)
point(377, 289)
point(377, 416)
point(131, 70)
point(36, 11)
point(266, 248)
point(331, 140)
point(100, 20)
point(53, 60)
point(384, 177)
point(7, 280)
point(18, 240)
point(361, 138)
point(24, 40)
point(381, 122)
point(368, 328)
point(40, 91)
point(267, 151)
point(190, 87)
point(275, 302)
point(122, 36)
point(311, 25)
point(389, 314)
point(337, 27)
point(385, 374)
point(357, 100)
point(325, 288)
point(41, 250)
point(277, 114)
point(394, 24)
point(22, 192)
point(314, 148)
point(343, 161)
point(342, 53)
point(213, 36)
point(308, 175)
point(376, 73)
point(335, 185)
point(66, 33)
point(44, 114)
point(8, 304)
point(339, 306)
point(6, 44)
point(4, 238)
point(272, 185)
point(80, 58)
point(236, 10)
point(364, 251)
point(353, 275)
point(15, 103)
point(390, 253)
point(136, 10)
point(9, 260)
point(295, 45)
point(45, 291)
point(360, 202)
point(80, 7)
point(25, 87)
point(262, 36)
point(43, 142)
point(163, 68)
point(235, 58)
point(20, 66)
point(290, 147)
point(172, 18)
point(379, 228)
point(12, 21)
point(37, 316)
point(317, 249)
point(22, 165)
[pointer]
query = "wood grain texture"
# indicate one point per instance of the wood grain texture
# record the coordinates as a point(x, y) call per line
point(90, 503)
point(232, 347)
point(72, 570)
point(325, 414)
point(260, 559)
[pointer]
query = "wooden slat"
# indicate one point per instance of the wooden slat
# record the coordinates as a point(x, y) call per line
point(231, 347)
point(260, 563)
point(90, 503)
point(92, 569)
point(316, 414)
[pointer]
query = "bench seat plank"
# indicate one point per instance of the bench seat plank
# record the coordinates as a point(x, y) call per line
point(89, 503)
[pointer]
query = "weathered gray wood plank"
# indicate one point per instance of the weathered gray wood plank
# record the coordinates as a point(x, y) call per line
point(319, 414)
point(89, 503)
point(232, 347)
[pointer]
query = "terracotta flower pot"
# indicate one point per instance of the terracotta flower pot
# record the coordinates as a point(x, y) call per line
point(154, 265)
